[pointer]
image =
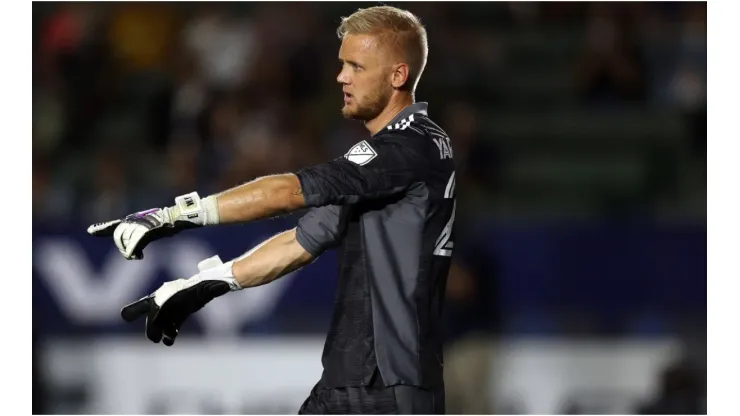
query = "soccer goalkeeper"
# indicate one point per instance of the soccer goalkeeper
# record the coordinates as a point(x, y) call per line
point(388, 205)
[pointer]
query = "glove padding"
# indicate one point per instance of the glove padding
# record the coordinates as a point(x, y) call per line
point(133, 233)
point(169, 306)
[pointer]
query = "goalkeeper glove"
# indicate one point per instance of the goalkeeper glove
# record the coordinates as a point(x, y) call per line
point(169, 306)
point(133, 233)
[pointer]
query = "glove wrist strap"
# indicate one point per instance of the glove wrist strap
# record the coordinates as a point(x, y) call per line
point(210, 206)
point(213, 269)
point(221, 272)
point(191, 208)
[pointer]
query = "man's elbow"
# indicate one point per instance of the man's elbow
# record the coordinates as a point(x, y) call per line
point(304, 256)
point(286, 192)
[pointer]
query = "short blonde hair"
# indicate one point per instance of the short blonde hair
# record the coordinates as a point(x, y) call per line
point(399, 28)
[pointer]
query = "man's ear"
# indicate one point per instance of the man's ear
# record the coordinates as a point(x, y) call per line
point(400, 75)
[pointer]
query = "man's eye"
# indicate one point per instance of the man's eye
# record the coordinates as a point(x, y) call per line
point(352, 65)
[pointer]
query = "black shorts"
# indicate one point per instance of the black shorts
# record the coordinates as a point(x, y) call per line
point(374, 399)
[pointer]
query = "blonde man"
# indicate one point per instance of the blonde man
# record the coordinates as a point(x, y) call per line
point(388, 205)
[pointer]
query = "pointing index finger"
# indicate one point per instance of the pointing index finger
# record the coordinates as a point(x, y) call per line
point(103, 229)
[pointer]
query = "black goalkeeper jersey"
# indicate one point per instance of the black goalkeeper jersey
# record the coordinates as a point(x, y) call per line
point(388, 205)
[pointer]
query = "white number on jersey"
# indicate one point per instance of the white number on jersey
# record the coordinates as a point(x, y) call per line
point(443, 246)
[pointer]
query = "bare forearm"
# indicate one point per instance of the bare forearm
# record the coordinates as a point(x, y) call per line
point(270, 260)
point(262, 198)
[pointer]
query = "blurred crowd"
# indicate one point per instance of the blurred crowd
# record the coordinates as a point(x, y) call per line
point(135, 103)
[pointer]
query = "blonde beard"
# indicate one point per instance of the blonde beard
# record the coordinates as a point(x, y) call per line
point(368, 112)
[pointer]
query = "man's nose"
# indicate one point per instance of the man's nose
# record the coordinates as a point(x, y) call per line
point(343, 78)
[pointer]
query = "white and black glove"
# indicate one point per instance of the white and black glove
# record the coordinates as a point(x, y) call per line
point(133, 233)
point(169, 306)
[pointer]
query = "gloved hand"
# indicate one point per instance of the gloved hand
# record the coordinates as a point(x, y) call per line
point(169, 306)
point(133, 233)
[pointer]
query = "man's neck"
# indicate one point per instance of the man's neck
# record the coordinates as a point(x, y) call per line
point(395, 106)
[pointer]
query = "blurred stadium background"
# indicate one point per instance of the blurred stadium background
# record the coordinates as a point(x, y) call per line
point(580, 132)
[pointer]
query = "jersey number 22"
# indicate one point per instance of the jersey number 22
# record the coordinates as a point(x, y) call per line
point(443, 246)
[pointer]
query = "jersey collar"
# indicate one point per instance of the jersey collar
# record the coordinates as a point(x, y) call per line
point(416, 108)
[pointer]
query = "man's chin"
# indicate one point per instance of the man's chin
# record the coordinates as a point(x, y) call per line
point(354, 114)
point(349, 114)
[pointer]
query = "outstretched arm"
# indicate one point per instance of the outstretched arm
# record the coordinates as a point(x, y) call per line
point(387, 167)
point(169, 306)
